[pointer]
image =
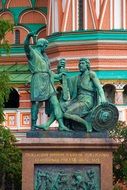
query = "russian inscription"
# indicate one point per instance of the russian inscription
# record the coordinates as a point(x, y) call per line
point(64, 157)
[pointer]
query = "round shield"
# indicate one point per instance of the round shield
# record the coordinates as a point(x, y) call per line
point(104, 117)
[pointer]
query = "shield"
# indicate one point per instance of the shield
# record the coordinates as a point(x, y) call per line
point(104, 117)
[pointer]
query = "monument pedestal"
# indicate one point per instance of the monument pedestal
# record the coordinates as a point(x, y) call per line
point(77, 162)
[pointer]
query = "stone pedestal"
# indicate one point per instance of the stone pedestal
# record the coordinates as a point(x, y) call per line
point(88, 153)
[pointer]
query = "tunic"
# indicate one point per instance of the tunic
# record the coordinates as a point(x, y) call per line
point(41, 88)
point(82, 91)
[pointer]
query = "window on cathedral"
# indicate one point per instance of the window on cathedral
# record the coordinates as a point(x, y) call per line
point(13, 101)
point(125, 94)
point(17, 37)
point(80, 14)
point(109, 91)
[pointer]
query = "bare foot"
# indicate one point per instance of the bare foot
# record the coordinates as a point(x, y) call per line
point(63, 128)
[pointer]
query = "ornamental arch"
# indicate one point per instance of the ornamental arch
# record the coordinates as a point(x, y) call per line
point(19, 3)
point(13, 101)
point(20, 33)
point(32, 16)
point(125, 94)
point(7, 16)
point(42, 33)
point(109, 90)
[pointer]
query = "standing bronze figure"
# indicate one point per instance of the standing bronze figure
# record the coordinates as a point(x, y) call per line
point(42, 83)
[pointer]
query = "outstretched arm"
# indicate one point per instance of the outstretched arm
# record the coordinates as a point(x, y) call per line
point(27, 44)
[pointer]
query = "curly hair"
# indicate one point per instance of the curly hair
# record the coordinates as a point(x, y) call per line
point(87, 61)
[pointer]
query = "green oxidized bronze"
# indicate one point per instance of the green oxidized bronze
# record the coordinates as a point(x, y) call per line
point(81, 104)
point(42, 83)
point(87, 108)
point(63, 178)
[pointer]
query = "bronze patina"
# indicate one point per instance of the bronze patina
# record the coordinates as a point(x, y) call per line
point(81, 104)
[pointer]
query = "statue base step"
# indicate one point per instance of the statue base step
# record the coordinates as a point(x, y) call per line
point(65, 134)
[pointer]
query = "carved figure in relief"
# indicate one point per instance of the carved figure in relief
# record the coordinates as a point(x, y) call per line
point(63, 180)
point(78, 181)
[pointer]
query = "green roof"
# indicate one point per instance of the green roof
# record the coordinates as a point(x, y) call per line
point(106, 74)
point(34, 27)
point(43, 9)
point(112, 75)
point(20, 78)
point(16, 11)
point(88, 35)
point(14, 68)
point(16, 49)
point(18, 73)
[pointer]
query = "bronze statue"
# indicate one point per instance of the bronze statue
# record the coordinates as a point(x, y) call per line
point(83, 91)
point(61, 69)
point(42, 83)
point(87, 104)
point(82, 98)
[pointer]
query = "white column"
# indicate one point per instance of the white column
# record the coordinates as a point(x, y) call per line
point(111, 14)
point(124, 14)
point(18, 119)
point(117, 14)
point(56, 27)
point(73, 15)
point(97, 8)
point(85, 13)
point(119, 94)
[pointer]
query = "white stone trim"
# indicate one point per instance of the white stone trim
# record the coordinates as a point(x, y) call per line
point(93, 57)
point(117, 14)
point(111, 14)
point(56, 22)
point(49, 18)
point(63, 5)
point(87, 42)
point(73, 15)
point(124, 14)
point(92, 14)
point(24, 101)
point(85, 14)
point(77, 12)
point(98, 8)
point(66, 16)
point(101, 22)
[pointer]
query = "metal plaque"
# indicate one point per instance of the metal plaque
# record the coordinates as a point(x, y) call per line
point(67, 177)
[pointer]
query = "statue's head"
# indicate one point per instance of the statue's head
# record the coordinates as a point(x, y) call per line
point(83, 62)
point(43, 43)
point(105, 116)
point(61, 64)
